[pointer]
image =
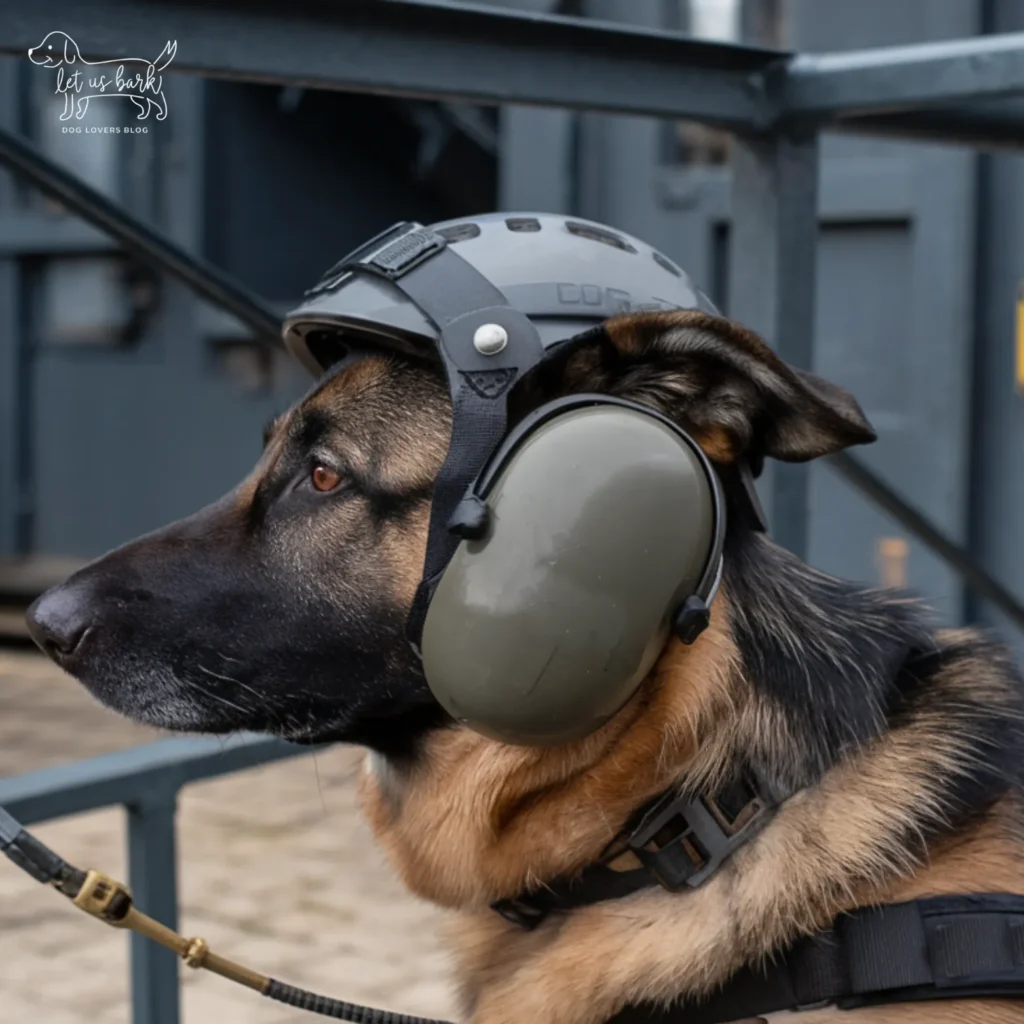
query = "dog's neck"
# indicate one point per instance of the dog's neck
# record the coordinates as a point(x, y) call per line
point(795, 675)
point(822, 654)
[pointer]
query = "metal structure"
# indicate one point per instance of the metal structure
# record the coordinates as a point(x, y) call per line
point(777, 104)
point(146, 782)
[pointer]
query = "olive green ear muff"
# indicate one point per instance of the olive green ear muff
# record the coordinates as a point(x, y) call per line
point(594, 530)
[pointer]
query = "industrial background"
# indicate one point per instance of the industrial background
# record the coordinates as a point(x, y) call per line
point(126, 401)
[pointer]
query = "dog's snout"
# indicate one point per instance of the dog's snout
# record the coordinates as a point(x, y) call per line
point(59, 621)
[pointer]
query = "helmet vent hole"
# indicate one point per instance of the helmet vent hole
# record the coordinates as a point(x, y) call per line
point(596, 234)
point(459, 232)
point(666, 264)
point(522, 224)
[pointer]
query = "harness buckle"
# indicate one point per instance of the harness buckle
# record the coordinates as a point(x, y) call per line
point(683, 841)
point(104, 897)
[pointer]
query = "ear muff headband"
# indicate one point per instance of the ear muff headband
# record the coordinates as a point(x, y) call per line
point(595, 529)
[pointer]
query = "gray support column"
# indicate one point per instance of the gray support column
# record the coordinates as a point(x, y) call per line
point(620, 156)
point(535, 154)
point(773, 250)
point(11, 378)
point(153, 878)
point(10, 343)
point(535, 168)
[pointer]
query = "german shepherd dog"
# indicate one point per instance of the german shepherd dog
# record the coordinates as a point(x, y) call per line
point(281, 608)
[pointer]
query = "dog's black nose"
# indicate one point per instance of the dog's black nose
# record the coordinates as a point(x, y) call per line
point(58, 622)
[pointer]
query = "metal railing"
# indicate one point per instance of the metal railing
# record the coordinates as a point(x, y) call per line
point(145, 781)
point(775, 102)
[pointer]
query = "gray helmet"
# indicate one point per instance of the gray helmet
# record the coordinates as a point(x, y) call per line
point(560, 553)
point(564, 273)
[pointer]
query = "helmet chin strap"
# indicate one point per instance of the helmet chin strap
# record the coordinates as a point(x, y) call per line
point(485, 346)
point(738, 483)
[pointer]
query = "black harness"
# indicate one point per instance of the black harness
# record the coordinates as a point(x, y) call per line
point(950, 947)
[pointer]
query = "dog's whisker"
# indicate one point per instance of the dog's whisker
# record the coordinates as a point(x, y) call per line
point(319, 782)
point(213, 694)
point(218, 675)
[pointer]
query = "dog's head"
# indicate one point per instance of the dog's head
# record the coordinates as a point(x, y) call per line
point(282, 607)
point(56, 49)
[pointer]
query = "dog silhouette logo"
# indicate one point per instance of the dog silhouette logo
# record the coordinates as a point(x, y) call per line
point(133, 78)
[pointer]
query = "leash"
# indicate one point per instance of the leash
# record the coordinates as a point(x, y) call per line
point(110, 901)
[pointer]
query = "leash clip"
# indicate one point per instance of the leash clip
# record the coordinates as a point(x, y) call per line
point(105, 898)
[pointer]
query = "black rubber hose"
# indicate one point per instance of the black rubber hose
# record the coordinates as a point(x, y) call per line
point(37, 859)
point(353, 1012)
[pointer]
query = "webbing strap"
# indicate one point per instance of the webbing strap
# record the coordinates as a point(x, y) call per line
point(478, 425)
point(458, 299)
point(948, 947)
point(680, 841)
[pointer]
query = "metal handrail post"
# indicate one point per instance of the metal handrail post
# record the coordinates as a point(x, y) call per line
point(153, 877)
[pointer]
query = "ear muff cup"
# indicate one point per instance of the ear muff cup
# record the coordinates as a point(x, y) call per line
point(603, 519)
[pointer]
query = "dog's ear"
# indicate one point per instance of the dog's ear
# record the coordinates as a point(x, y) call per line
point(69, 50)
point(719, 381)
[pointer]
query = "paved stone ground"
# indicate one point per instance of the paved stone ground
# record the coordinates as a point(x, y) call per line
point(277, 870)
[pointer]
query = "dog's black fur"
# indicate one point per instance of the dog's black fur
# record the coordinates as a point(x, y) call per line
point(253, 613)
point(846, 664)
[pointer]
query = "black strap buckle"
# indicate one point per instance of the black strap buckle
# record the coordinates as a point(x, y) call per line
point(682, 842)
point(391, 254)
point(401, 254)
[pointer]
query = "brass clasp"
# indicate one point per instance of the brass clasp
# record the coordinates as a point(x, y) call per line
point(104, 897)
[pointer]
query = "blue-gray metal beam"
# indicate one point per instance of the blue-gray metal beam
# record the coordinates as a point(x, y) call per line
point(773, 249)
point(900, 77)
point(26, 232)
point(438, 50)
point(954, 555)
point(989, 126)
point(482, 54)
point(135, 776)
point(143, 242)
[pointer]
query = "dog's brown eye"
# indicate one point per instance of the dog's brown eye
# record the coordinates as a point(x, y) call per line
point(325, 479)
